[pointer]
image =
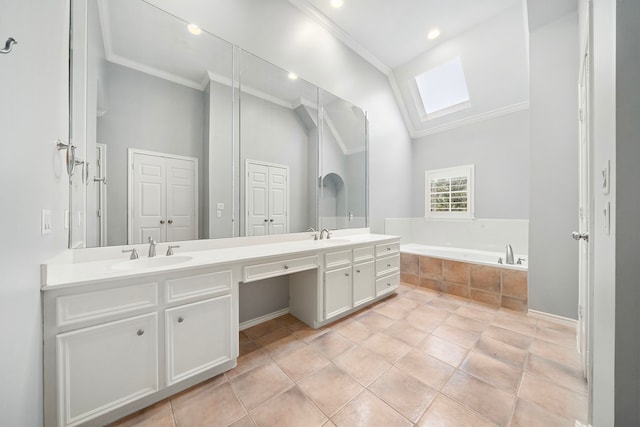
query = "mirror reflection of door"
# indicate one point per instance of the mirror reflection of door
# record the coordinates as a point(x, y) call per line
point(100, 183)
point(163, 197)
point(267, 196)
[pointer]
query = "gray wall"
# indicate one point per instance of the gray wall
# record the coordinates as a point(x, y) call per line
point(147, 113)
point(498, 147)
point(263, 297)
point(33, 114)
point(553, 255)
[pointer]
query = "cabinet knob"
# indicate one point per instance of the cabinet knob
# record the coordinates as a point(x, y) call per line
point(170, 221)
point(140, 332)
point(346, 274)
point(180, 319)
point(357, 271)
point(388, 284)
point(388, 265)
point(286, 267)
point(388, 249)
point(162, 221)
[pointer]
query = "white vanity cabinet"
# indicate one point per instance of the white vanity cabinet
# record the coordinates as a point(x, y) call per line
point(112, 348)
point(387, 268)
point(337, 292)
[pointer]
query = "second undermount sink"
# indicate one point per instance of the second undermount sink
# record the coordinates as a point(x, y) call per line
point(142, 263)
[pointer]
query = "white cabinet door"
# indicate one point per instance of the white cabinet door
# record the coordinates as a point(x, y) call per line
point(337, 291)
point(107, 366)
point(364, 283)
point(198, 337)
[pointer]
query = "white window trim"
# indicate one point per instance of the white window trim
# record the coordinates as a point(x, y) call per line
point(466, 170)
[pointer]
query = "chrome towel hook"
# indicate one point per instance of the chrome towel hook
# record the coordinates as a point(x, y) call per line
point(9, 45)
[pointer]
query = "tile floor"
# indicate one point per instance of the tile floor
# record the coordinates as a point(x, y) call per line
point(416, 358)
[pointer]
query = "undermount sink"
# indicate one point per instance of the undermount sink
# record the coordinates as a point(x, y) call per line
point(163, 261)
point(331, 242)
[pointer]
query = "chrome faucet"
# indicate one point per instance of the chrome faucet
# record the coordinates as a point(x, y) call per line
point(322, 233)
point(313, 230)
point(509, 257)
point(152, 247)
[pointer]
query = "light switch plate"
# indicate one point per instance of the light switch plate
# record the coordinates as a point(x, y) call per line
point(220, 206)
point(45, 223)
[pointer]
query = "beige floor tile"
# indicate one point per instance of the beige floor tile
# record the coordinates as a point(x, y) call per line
point(509, 337)
point(330, 388)
point(442, 349)
point(301, 362)
point(405, 332)
point(247, 347)
point(554, 398)
point(425, 368)
point(405, 303)
point(271, 380)
point(329, 423)
point(504, 352)
point(391, 349)
point(475, 313)
point(557, 353)
point(243, 422)
point(374, 321)
point(353, 331)
point(489, 401)
point(158, 415)
point(426, 318)
point(515, 321)
point(403, 392)
point(466, 324)
point(273, 336)
point(444, 303)
point(391, 311)
point(284, 345)
point(456, 335)
point(331, 345)
point(362, 364)
point(565, 376)
point(557, 337)
point(548, 324)
point(421, 295)
point(308, 334)
point(288, 409)
point(249, 362)
point(262, 329)
point(210, 406)
point(445, 412)
point(492, 371)
point(368, 410)
point(528, 414)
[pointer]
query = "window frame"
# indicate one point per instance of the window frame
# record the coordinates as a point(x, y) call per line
point(467, 171)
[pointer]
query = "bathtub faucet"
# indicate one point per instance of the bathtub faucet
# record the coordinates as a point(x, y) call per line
point(509, 257)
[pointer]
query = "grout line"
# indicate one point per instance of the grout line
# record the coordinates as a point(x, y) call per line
point(173, 415)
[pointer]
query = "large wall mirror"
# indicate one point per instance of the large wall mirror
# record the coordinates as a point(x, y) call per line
point(182, 136)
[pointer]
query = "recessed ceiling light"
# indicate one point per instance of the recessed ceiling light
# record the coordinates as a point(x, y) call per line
point(194, 29)
point(433, 34)
point(293, 76)
point(337, 4)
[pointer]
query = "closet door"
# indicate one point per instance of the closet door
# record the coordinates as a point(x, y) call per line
point(278, 200)
point(257, 199)
point(182, 202)
point(148, 199)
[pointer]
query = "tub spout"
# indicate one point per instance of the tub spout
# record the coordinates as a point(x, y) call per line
point(509, 257)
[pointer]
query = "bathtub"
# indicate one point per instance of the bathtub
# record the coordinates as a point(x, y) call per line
point(466, 273)
point(465, 255)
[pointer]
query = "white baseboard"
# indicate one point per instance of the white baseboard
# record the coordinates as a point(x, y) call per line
point(553, 318)
point(262, 319)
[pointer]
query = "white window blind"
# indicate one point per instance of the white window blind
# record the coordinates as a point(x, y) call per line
point(449, 192)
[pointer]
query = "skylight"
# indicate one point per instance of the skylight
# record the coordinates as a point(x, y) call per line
point(442, 90)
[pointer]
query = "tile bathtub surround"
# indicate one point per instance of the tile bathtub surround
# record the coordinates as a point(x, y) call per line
point(500, 287)
point(418, 358)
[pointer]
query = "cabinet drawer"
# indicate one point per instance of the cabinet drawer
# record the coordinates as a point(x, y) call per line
point(337, 259)
point(387, 265)
point(72, 309)
point(363, 254)
point(387, 284)
point(387, 249)
point(279, 268)
point(201, 285)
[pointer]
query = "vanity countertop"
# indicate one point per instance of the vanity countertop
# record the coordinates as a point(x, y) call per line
point(62, 271)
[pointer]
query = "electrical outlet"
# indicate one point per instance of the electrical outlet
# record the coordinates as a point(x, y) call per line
point(218, 213)
point(45, 223)
point(606, 177)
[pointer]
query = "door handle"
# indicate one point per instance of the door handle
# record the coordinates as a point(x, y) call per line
point(266, 220)
point(170, 221)
point(577, 236)
point(270, 220)
point(162, 221)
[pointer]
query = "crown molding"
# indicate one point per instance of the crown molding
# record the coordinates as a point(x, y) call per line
point(473, 119)
point(313, 13)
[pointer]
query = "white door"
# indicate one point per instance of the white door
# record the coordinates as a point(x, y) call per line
point(163, 197)
point(278, 200)
point(266, 198)
point(104, 367)
point(257, 197)
point(100, 181)
point(181, 200)
point(198, 337)
point(585, 218)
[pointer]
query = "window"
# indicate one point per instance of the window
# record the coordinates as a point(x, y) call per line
point(449, 192)
point(441, 90)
